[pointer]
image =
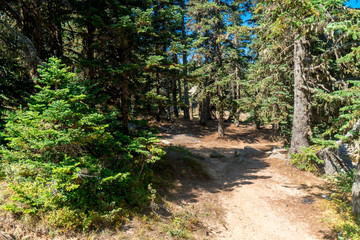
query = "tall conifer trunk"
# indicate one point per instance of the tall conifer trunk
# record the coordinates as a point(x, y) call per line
point(221, 129)
point(356, 192)
point(301, 129)
point(186, 88)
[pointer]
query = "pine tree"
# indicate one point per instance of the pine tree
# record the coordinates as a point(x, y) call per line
point(212, 53)
point(302, 25)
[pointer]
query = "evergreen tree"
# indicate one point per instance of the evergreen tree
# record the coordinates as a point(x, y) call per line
point(212, 57)
point(64, 157)
point(301, 25)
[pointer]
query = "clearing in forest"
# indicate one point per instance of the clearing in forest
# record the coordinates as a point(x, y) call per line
point(248, 196)
point(217, 195)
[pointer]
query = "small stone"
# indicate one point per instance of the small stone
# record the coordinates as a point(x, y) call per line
point(238, 152)
point(326, 197)
point(165, 142)
point(215, 154)
point(307, 200)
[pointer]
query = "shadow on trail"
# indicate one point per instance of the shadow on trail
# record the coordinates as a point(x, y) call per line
point(248, 135)
point(192, 171)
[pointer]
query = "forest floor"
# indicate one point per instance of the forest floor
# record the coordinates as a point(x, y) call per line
point(249, 196)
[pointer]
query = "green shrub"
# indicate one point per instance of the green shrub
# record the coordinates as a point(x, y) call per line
point(67, 158)
point(307, 159)
point(344, 223)
point(344, 181)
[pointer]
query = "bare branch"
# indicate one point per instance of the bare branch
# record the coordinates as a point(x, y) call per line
point(29, 46)
point(327, 13)
point(6, 6)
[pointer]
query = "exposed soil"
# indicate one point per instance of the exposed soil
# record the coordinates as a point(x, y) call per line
point(251, 196)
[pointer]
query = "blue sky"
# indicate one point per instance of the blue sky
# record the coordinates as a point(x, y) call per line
point(353, 3)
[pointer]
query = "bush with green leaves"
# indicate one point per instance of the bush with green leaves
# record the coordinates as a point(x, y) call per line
point(66, 157)
point(307, 160)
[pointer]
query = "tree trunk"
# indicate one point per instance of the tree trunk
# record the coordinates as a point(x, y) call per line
point(174, 91)
point(180, 92)
point(88, 49)
point(202, 112)
point(186, 88)
point(148, 103)
point(187, 102)
point(160, 106)
point(174, 94)
point(301, 129)
point(237, 116)
point(191, 111)
point(125, 104)
point(356, 192)
point(221, 130)
point(167, 94)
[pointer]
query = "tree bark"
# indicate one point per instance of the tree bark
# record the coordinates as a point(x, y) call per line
point(191, 111)
point(125, 104)
point(174, 98)
point(221, 129)
point(356, 191)
point(301, 129)
point(187, 102)
point(186, 88)
point(202, 112)
point(160, 106)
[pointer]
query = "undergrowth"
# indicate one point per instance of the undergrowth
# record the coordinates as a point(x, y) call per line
point(345, 224)
point(182, 224)
point(307, 159)
point(179, 163)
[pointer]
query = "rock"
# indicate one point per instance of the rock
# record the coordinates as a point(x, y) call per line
point(169, 129)
point(326, 197)
point(132, 128)
point(307, 200)
point(165, 141)
point(246, 151)
point(238, 152)
point(280, 153)
point(215, 154)
point(335, 161)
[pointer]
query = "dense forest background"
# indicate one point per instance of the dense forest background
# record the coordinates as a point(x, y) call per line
point(80, 79)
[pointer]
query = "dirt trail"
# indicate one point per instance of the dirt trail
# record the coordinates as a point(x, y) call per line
point(260, 197)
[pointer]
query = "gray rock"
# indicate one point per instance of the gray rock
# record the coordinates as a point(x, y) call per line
point(335, 161)
point(169, 129)
point(132, 128)
point(246, 151)
point(215, 154)
point(238, 152)
point(326, 197)
point(165, 141)
point(280, 153)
